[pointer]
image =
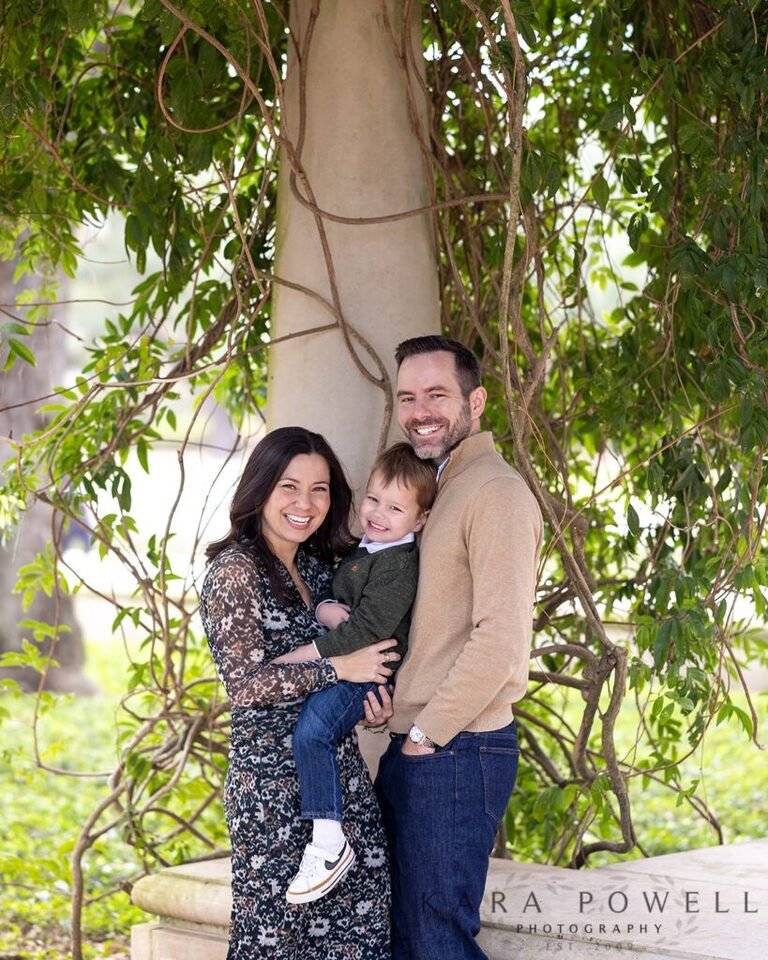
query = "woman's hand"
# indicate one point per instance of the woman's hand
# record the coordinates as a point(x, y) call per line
point(369, 665)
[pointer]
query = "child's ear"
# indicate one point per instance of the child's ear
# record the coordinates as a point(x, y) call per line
point(421, 521)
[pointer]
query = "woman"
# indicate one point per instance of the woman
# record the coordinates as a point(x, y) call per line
point(289, 521)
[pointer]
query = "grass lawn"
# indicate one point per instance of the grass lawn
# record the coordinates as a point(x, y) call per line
point(42, 813)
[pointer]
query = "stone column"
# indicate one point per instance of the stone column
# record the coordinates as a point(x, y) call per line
point(354, 135)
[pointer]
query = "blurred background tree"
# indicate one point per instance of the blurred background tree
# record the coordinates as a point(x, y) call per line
point(585, 185)
point(21, 386)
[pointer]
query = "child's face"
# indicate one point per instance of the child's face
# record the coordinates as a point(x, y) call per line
point(389, 511)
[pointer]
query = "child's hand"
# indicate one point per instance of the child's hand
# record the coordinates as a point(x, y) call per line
point(332, 614)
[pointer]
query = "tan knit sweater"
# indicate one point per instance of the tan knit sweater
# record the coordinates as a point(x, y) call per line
point(470, 637)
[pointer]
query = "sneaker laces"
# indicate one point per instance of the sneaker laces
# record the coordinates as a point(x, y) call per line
point(314, 856)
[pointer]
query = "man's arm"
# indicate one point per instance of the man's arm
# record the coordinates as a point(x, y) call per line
point(386, 599)
point(503, 542)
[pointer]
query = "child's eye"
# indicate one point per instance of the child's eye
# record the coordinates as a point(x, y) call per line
point(396, 509)
point(372, 499)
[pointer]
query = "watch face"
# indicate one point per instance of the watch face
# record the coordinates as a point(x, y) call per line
point(415, 735)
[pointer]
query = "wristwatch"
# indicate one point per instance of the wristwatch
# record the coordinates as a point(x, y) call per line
point(418, 736)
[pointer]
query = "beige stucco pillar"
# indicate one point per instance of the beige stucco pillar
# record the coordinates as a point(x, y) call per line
point(353, 136)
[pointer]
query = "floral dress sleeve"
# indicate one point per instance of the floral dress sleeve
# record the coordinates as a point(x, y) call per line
point(231, 611)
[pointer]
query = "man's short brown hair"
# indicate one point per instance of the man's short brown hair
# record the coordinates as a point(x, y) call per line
point(467, 366)
point(400, 464)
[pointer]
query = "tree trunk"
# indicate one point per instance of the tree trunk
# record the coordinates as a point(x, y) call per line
point(21, 390)
point(354, 117)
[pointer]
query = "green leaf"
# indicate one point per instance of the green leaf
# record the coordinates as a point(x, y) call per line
point(633, 521)
point(600, 191)
point(612, 117)
point(526, 31)
point(21, 350)
point(141, 453)
point(637, 226)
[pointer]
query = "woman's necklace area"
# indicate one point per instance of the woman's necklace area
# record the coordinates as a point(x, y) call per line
point(304, 591)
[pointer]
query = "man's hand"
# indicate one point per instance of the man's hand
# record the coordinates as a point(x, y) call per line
point(331, 614)
point(377, 713)
point(411, 749)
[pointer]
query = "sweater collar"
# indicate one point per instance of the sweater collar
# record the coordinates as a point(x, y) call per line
point(472, 448)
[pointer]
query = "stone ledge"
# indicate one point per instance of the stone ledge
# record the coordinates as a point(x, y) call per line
point(709, 904)
point(193, 892)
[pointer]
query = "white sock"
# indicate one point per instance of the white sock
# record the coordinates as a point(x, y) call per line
point(328, 835)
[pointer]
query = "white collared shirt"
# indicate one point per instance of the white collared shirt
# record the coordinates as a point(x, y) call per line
point(373, 547)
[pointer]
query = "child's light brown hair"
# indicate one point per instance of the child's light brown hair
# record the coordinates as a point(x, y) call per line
point(401, 465)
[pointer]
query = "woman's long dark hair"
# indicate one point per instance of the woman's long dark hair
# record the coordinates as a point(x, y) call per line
point(265, 466)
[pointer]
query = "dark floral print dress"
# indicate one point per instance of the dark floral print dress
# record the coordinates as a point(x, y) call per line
point(246, 629)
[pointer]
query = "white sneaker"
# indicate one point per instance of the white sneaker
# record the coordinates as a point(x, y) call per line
point(318, 874)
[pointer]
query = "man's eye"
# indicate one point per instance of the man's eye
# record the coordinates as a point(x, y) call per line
point(405, 399)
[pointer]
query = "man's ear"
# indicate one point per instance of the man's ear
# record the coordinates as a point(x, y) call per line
point(421, 521)
point(477, 402)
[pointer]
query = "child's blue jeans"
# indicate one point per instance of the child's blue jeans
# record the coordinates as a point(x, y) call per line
point(325, 718)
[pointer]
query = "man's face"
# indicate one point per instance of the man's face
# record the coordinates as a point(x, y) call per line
point(433, 413)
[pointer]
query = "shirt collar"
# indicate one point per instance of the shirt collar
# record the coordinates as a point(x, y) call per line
point(372, 547)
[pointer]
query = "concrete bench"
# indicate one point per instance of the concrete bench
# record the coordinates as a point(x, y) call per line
point(709, 904)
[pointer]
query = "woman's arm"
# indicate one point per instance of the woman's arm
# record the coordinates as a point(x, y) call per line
point(373, 663)
point(231, 612)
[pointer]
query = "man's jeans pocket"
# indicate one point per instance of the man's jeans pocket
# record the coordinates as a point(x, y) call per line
point(499, 770)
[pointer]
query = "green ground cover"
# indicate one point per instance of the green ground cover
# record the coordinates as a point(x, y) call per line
point(42, 813)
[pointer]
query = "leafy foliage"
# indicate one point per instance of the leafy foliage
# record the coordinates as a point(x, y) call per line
point(600, 213)
point(51, 779)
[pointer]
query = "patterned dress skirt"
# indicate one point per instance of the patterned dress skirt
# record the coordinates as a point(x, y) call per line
point(268, 840)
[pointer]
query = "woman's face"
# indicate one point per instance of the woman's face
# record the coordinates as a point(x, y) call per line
point(297, 505)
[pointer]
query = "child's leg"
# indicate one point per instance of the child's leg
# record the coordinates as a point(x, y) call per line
point(326, 717)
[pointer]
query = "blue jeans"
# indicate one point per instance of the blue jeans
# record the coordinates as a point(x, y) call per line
point(325, 719)
point(441, 813)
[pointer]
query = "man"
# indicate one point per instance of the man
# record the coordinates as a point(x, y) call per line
point(445, 780)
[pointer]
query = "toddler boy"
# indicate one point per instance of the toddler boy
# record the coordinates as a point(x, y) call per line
point(373, 590)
